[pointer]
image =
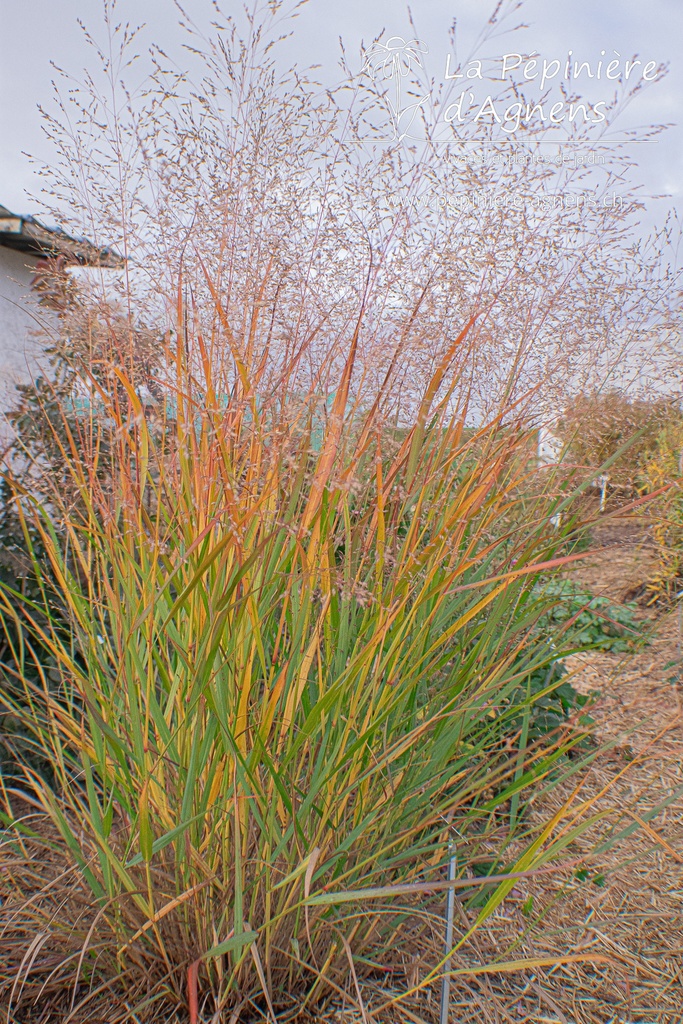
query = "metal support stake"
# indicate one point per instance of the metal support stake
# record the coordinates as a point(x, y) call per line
point(450, 913)
point(603, 481)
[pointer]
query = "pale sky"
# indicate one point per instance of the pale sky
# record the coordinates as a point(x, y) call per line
point(40, 31)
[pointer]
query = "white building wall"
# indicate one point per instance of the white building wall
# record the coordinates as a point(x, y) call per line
point(549, 445)
point(25, 328)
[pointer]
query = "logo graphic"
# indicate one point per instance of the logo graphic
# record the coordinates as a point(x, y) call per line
point(395, 60)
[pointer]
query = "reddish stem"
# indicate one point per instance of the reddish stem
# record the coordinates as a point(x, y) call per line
point(192, 997)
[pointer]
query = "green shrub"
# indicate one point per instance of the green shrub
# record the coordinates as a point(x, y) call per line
point(597, 426)
point(663, 471)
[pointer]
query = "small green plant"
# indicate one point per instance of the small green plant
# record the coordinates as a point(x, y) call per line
point(552, 702)
point(597, 622)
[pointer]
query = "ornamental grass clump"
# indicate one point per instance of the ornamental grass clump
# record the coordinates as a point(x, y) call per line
point(293, 669)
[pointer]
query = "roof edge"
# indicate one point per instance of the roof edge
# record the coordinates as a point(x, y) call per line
point(26, 234)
